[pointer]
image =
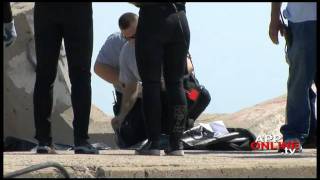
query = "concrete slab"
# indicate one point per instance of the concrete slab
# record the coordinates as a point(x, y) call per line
point(123, 163)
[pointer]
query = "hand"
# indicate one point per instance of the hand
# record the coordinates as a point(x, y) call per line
point(9, 33)
point(274, 28)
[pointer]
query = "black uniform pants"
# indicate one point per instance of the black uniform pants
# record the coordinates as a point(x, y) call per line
point(161, 42)
point(73, 23)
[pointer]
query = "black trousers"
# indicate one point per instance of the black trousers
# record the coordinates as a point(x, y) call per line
point(161, 42)
point(73, 23)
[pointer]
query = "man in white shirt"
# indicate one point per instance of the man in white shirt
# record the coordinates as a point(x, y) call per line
point(132, 91)
point(116, 64)
point(107, 67)
point(301, 57)
point(107, 62)
point(130, 78)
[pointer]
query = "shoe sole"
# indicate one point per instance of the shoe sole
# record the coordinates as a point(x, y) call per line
point(43, 151)
point(175, 153)
point(150, 152)
point(84, 152)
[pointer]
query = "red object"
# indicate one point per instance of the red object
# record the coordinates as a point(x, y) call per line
point(193, 94)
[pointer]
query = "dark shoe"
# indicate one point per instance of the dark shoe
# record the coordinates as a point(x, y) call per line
point(175, 148)
point(150, 148)
point(85, 148)
point(46, 148)
point(180, 122)
point(294, 140)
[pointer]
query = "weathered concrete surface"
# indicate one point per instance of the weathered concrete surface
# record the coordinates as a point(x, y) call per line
point(123, 163)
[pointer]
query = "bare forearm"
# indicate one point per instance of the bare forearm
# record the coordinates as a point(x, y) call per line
point(107, 73)
point(275, 10)
point(275, 24)
point(189, 66)
point(129, 98)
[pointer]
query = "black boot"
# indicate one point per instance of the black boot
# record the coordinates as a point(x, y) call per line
point(179, 121)
point(150, 148)
point(189, 124)
point(84, 147)
point(46, 148)
point(175, 147)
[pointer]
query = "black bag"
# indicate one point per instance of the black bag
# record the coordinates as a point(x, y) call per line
point(198, 97)
point(240, 143)
point(132, 130)
point(202, 139)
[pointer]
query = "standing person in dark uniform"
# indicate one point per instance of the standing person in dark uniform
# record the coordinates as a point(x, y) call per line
point(9, 30)
point(73, 23)
point(162, 38)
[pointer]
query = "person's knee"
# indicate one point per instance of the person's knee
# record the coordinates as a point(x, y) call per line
point(80, 76)
point(302, 66)
point(299, 82)
point(45, 78)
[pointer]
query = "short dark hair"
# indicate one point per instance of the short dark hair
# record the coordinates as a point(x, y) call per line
point(126, 19)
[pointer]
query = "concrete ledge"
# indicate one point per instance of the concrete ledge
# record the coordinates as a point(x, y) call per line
point(123, 163)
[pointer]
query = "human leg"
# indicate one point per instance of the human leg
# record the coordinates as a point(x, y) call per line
point(48, 38)
point(302, 68)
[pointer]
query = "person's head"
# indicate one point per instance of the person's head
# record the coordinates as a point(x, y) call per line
point(128, 25)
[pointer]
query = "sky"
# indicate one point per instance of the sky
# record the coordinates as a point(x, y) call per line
point(232, 54)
